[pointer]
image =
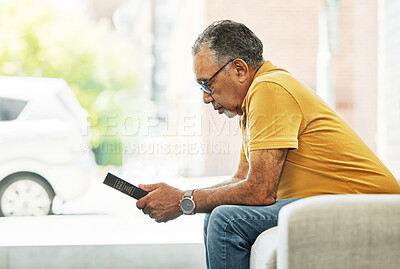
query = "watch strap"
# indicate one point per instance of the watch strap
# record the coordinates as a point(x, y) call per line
point(188, 193)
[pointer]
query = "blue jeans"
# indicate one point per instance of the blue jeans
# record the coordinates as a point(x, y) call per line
point(230, 231)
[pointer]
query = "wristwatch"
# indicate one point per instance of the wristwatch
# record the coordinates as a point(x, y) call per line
point(187, 204)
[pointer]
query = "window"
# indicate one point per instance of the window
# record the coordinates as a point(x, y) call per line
point(10, 108)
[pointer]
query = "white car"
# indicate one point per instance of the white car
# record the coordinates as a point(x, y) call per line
point(44, 145)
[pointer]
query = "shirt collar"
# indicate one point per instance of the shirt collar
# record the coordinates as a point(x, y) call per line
point(265, 68)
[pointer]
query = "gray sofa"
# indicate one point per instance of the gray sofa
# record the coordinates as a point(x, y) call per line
point(333, 231)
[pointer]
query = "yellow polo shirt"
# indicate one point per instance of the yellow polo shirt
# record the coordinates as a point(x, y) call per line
point(326, 156)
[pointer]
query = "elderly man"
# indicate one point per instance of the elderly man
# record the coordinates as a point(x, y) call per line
point(294, 145)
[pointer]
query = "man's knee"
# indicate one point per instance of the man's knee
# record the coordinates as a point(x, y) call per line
point(205, 227)
point(224, 212)
point(221, 216)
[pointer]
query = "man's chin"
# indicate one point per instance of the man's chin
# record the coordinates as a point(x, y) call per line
point(229, 114)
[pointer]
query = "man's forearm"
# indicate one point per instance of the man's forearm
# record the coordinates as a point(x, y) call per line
point(225, 183)
point(258, 186)
point(255, 186)
point(239, 192)
point(241, 174)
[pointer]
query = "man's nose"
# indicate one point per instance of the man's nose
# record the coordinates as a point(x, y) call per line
point(207, 98)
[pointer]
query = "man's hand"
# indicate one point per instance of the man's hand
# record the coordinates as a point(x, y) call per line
point(162, 202)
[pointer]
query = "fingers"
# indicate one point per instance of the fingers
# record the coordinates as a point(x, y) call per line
point(149, 187)
point(146, 211)
point(154, 215)
point(158, 218)
point(144, 206)
point(141, 203)
point(157, 203)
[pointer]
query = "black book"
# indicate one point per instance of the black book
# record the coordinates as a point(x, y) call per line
point(123, 186)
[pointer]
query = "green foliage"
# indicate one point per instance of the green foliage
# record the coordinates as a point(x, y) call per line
point(39, 38)
point(109, 152)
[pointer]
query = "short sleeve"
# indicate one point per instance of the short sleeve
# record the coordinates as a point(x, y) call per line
point(243, 157)
point(274, 117)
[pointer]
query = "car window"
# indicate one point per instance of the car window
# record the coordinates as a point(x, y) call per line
point(10, 108)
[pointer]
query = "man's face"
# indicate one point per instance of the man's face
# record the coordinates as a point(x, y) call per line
point(223, 97)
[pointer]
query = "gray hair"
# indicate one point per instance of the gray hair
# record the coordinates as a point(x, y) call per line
point(227, 40)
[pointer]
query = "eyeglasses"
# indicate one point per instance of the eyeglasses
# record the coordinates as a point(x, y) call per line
point(205, 87)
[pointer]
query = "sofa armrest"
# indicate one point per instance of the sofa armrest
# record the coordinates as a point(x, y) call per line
point(263, 251)
point(340, 231)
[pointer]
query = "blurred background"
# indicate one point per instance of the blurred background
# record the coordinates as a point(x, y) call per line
point(92, 86)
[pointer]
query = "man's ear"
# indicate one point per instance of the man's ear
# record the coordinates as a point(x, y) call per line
point(241, 70)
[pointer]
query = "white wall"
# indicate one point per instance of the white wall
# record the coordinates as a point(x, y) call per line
point(389, 86)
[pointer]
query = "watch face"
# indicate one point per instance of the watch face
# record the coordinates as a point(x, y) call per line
point(187, 206)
